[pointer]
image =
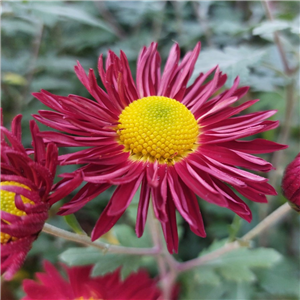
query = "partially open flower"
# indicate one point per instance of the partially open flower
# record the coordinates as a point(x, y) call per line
point(291, 183)
point(26, 186)
point(172, 140)
point(79, 285)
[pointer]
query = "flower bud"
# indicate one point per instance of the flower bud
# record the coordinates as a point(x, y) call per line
point(291, 183)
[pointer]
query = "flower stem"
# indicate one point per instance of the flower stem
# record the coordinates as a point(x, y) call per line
point(85, 240)
point(270, 220)
point(157, 243)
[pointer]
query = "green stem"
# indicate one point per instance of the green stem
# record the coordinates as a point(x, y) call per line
point(85, 240)
point(157, 243)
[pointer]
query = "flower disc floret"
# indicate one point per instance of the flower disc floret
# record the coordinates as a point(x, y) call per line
point(158, 128)
point(91, 298)
point(8, 205)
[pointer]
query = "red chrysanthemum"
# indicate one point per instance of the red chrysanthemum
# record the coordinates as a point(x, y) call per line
point(80, 285)
point(291, 183)
point(174, 141)
point(25, 192)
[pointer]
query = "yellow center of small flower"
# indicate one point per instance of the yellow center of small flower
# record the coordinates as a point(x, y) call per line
point(158, 128)
point(8, 205)
point(91, 298)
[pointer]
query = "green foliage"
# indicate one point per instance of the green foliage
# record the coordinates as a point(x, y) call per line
point(271, 26)
point(237, 265)
point(81, 256)
point(103, 262)
point(74, 224)
point(233, 61)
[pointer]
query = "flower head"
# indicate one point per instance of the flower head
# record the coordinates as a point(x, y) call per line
point(26, 184)
point(172, 140)
point(81, 286)
point(291, 183)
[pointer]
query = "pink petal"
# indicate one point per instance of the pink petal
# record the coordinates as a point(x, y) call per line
point(122, 196)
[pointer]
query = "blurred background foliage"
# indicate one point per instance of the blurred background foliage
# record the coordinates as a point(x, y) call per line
point(41, 42)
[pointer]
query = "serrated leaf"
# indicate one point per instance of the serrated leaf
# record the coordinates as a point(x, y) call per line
point(234, 61)
point(131, 264)
point(260, 257)
point(110, 262)
point(81, 256)
point(236, 265)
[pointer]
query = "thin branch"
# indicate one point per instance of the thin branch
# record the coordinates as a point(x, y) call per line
point(157, 243)
point(270, 220)
point(109, 18)
point(273, 218)
point(85, 240)
point(199, 261)
point(277, 41)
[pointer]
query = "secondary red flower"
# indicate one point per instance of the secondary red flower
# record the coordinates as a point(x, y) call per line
point(173, 141)
point(291, 183)
point(26, 184)
point(80, 285)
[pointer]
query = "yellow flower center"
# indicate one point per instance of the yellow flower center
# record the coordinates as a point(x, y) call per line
point(158, 128)
point(8, 205)
point(91, 298)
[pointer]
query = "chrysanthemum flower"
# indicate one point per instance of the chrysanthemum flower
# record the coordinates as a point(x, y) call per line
point(81, 286)
point(173, 141)
point(25, 192)
point(291, 183)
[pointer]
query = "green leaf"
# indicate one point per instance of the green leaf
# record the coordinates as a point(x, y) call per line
point(237, 273)
point(127, 236)
point(110, 262)
point(58, 63)
point(214, 246)
point(282, 279)
point(50, 83)
point(234, 227)
point(74, 224)
point(207, 275)
point(13, 26)
point(81, 256)
point(192, 288)
point(103, 262)
point(234, 61)
point(71, 12)
point(268, 27)
point(236, 265)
